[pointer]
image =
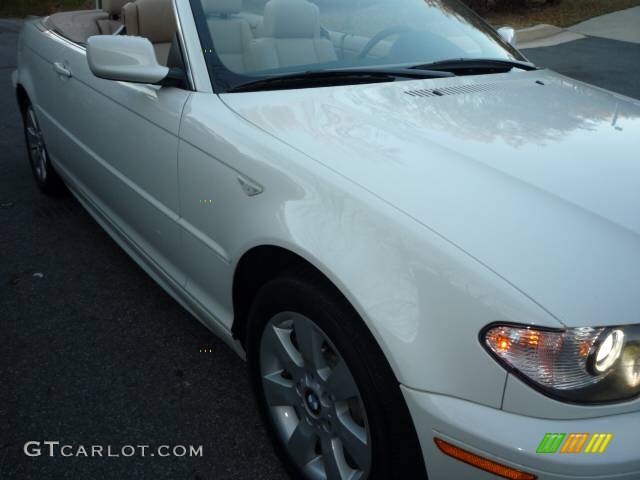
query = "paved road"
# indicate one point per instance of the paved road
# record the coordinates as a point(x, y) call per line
point(610, 64)
point(93, 352)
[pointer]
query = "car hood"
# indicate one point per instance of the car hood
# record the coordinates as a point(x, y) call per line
point(534, 175)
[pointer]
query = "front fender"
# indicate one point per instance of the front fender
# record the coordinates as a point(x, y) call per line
point(424, 300)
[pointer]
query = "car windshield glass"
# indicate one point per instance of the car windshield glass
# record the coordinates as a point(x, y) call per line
point(246, 40)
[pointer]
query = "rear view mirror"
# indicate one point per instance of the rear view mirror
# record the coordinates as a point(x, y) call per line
point(508, 34)
point(128, 59)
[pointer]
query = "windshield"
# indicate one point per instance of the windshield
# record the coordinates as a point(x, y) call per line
point(255, 39)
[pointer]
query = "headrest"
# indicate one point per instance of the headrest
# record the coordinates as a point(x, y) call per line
point(152, 19)
point(221, 7)
point(114, 7)
point(291, 19)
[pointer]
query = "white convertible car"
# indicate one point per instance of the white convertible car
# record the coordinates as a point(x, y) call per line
point(427, 248)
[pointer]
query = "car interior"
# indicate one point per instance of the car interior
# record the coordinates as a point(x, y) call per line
point(154, 20)
point(78, 26)
point(288, 34)
point(291, 33)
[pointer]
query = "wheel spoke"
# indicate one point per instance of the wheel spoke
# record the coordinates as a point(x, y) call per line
point(301, 444)
point(32, 134)
point(276, 341)
point(35, 144)
point(309, 342)
point(340, 382)
point(32, 118)
point(279, 391)
point(335, 465)
point(354, 440)
point(42, 164)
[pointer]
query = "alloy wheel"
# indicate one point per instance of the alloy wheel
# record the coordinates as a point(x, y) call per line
point(35, 143)
point(313, 400)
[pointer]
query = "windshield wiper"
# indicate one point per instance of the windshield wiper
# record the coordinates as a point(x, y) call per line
point(347, 76)
point(454, 64)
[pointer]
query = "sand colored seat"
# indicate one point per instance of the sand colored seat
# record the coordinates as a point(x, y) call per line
point(154, 20)
point(292, 36)
point(110, 25)
point(231, 34)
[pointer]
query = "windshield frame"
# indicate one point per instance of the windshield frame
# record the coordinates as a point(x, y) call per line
point(224, 80)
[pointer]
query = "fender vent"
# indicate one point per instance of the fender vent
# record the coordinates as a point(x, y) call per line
point(455, 90)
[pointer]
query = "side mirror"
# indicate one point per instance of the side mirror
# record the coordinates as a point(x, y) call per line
point(508, 34)
point(129, 59)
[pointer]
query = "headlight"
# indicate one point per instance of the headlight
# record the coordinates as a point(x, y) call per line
point(608, 351)
point(583, 365)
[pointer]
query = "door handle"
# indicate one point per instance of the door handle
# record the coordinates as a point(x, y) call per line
point(62, 70)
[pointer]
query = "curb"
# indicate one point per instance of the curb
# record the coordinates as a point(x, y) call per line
point(538, 32)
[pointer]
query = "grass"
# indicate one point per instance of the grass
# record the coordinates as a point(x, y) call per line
point(565, 14)
point(22, 8)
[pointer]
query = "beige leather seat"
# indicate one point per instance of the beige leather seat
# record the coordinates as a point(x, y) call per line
point(230, 33)
point(291, 36)
point(108, 26)
point(154, 20)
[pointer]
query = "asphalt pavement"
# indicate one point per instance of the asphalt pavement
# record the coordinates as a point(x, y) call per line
point(607, 63)
point(95, 353)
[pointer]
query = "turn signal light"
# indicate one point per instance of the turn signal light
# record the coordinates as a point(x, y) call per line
point(581, 365)
point(482, 463)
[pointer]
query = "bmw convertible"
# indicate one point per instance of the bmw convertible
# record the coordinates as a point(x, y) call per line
point(426, 247)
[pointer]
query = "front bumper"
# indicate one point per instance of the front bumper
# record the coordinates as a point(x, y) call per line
point(512, 440)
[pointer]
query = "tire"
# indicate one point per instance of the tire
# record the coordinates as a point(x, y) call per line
point(44, 174)
point(327, 395)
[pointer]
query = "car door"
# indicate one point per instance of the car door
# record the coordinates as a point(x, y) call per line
point(122, 155)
